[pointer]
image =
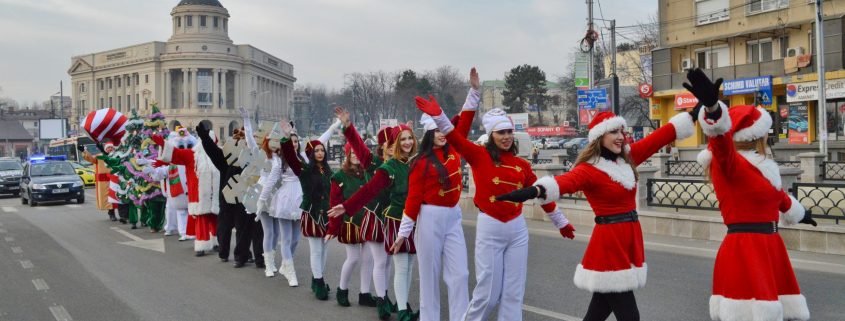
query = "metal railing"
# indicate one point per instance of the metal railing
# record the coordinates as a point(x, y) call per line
point(681, 193)
point(823, 200)
point(647, 162)
point(833, 171)
point(790, 164)
point(683, 168)
point(541, 161)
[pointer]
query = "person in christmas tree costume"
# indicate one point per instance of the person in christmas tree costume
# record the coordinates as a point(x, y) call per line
point(149, 195)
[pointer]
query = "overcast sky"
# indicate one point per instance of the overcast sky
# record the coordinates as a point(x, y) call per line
point(323, 39)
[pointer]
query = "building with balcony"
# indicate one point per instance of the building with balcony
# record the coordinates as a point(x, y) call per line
point(765, 52)
point(198, 75)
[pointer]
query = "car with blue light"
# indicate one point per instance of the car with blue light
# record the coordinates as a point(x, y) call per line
point(50, 179)
point(10, 175)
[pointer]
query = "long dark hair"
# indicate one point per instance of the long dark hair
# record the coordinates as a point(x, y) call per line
point(494, 151)
point(427, 152)
point(315, 176)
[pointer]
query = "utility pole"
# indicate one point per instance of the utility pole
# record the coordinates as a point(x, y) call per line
point(615, 79)
point(62, 108)
point(822, 103)
point(590, 28)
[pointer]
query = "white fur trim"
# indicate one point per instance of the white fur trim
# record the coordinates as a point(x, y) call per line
point(704, 157)
point(619, 171)
point(610, 281)
point(794, 307)
point(205, 245)
point(759, 129)
point(720, 126)
point(684, 125)
point(794, 214)
point(494, 120)
point(607, 125)
point(724, 309)
point(427, 122)
point(552, 189)
point(167, 152)
point(766, 165)
point(443, 123)
point(208, 178)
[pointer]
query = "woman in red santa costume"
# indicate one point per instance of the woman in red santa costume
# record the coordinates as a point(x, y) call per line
point(613, 265)
point(501, 243)
point(203, 180)
point(752, 277)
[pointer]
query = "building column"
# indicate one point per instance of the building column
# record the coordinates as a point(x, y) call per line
point(134, 91)
point(192, 90)
point(166, 92)
point(215, 88)
point(113, 91)
point(237, 90)
point(184, 104)
point(223, 89)
point(125, 88)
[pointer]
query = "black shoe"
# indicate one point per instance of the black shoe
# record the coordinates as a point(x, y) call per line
point(321, 291)
point(239, 265)
point(342, 297)
point(112, 218)
point(250, 260)
point(260, 265)
point(383, 309)
point(216, 248)
point(366, 299)
point(224, 260)
point(200, 253)
point(134, 226)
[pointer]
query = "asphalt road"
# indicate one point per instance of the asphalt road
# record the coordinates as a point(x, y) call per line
point(68, 262)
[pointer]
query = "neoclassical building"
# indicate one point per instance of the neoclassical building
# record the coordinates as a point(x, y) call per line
point(199, 74)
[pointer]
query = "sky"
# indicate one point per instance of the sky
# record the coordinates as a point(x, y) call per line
point(323, 39)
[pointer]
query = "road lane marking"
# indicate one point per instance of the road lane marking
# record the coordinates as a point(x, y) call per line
point(60, 313)
point(127, 234)
point(40, 285)
point(27, 264)
point(551, 314)
point(9, 239)
point(9, 209)
point(17, 250)
point(74, 205)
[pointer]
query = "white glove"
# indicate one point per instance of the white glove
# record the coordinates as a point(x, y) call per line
point(262, 207)
point(472, 101)
point(558, 219)
point(142, 161)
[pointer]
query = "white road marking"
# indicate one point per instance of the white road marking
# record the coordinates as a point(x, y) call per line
point(74, 205)
point(151, 244)
point(17, 250)
point(551, 314)
point(9, 239)
point(40, 285)
point(60, 313)
point(9, 209)
point(127, 234)
point(26, 264)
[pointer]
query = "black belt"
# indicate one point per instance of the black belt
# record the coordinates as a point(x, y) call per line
point(617, 218)
point(762, 228)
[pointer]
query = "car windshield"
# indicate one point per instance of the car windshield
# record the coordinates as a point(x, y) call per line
point(9, 166)
point(52, 169)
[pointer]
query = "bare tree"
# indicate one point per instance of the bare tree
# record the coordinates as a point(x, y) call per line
point(372, 96)
point(450, 87)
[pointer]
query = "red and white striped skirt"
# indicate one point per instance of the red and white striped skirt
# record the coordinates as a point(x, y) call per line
point(391, 230)
point(312, 227)
point(372, 228)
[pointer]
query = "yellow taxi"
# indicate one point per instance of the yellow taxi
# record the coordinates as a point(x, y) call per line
point(85, 173)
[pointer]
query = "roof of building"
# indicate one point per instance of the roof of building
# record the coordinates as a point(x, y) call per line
point(13, 130)
point(200, 3)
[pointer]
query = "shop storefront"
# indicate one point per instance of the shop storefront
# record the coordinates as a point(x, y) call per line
point(804, 96)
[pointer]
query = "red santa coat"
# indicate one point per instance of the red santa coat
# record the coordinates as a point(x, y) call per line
point(203, 180)
point(614, 260)
point(752, 276)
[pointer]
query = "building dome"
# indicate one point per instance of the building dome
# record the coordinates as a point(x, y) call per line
point(214, 3)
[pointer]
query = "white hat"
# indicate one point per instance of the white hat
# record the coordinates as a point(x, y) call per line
point(427, 122)
point(495, 120)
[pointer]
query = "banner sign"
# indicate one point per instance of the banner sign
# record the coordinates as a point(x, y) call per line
point(798, 123)
point(685, 101)
point(204, 89)
point(809, 91)
point(551, 131)
point(761, 85)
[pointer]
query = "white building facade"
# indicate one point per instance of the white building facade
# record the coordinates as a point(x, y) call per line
point(198, 75)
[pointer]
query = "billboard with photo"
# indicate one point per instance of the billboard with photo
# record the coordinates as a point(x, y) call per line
point(51, 128)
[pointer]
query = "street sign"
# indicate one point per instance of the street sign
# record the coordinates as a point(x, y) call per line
point(592, 99)
point(646, 90)
point(582, 70)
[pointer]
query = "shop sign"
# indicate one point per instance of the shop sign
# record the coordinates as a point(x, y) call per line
point(645, 90)
point(757, 85)
point(799, 125)
point(809, 91)
point(685, 101)
point(551, 131)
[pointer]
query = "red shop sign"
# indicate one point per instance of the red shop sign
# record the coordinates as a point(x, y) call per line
point(684, 101)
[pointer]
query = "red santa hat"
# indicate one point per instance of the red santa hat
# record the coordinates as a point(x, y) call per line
point(604, 122)
point(104, 124)
point(394, 133)
point(383, 135)
point(749, 122)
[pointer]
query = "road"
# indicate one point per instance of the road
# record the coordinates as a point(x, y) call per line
point(68, 262)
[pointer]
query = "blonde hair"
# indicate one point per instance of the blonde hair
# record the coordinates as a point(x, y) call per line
point(592, 152)
point(396, 149)
point(758, 145)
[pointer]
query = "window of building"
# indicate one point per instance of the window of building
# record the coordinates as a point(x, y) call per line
point(146, 79)
point(225, 24)
point(189, 21)
point(216, 22)
point(147, 103)
point(35, 123)
point(82, 88)
point(119, 102)
point(712, 57)
point(759, 50)
point(102, 103)
point(111, 102)
point(202, 21)
point(753, 7)
point(118, 82)
point(784, 46)
point(179, 22)
point(111, 83)
point(710, 11)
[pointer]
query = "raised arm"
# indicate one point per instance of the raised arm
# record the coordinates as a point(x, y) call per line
point(365, 157)
point(470, 104)
point(468, 150)
point(324, 138)
point(250, 140)
point(680, 126)
point(289, 152)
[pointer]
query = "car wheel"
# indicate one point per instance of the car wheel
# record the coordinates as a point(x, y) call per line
point(16, 194)
point(80, 200)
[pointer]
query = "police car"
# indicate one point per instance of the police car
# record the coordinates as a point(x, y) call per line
point(10, 175)
point(50, 178)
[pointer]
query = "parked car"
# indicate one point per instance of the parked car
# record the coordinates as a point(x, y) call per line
point(552, 143)
point(561, 142)
point(10, 176)
point(575, 145)
point(85, 173)
point(50, 178)
point(522, 140)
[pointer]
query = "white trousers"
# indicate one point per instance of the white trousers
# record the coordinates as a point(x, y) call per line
point(501, 261)
point(318, 256)
point(441, 247)
point(175, 219)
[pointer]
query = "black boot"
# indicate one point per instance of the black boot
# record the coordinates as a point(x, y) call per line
point(313, 285)
point(134, 226)
point(383, 308)
point(112, 217)
point(321, 291)
point(342, 297)
point(366, 299)
point(393, 307)
point(200, 253)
